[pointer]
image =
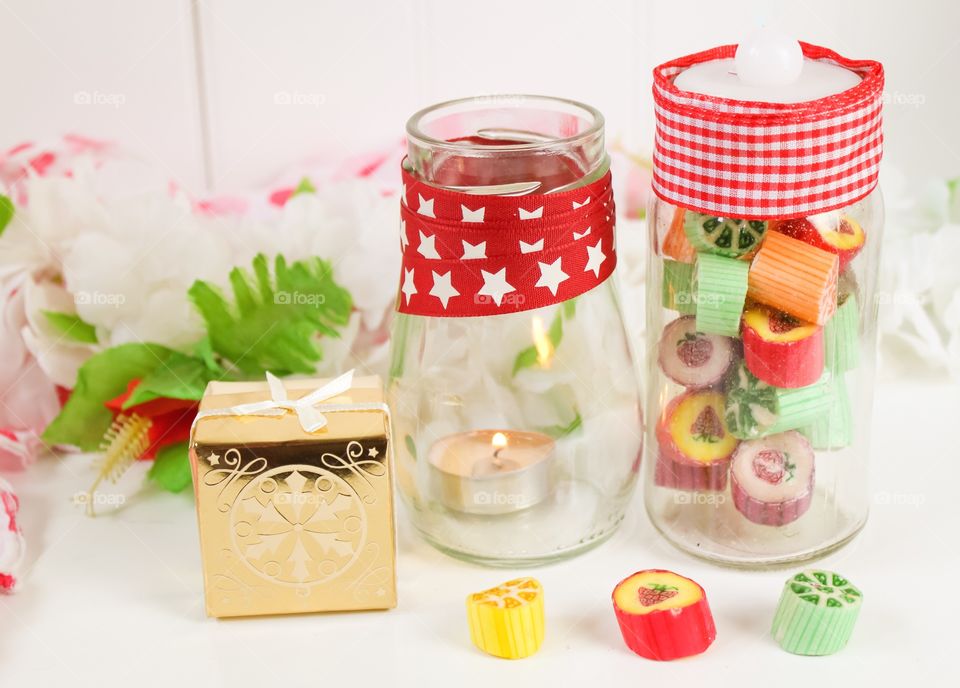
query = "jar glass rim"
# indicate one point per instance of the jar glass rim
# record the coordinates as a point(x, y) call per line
point(587, 112)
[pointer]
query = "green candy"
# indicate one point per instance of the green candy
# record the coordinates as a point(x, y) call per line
point(678, 287)
point(721, 290)
point(756, 409)
point(817, 613)
point(841, 345)
point(833, 429)
point(723, 236)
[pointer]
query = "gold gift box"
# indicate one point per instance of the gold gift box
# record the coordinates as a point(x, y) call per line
point(294, 521)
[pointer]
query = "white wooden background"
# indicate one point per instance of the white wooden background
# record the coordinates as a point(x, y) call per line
point(223, 93)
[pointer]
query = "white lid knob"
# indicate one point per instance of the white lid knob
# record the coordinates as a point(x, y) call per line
point(769, 57)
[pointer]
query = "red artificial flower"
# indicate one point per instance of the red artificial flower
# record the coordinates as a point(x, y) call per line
point(170, 419)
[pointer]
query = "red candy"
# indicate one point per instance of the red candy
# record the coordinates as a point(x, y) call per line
point(831, 232)
point(781, 350)
point(663, 615)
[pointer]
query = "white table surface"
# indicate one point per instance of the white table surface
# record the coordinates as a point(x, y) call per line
point(118, 600)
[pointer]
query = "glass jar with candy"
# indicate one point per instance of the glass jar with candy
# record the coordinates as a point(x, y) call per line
point(515, 403)
point(765, 237)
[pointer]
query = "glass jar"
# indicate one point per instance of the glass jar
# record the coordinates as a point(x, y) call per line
point(761, 324)
point(738, 521)
point(515, 443)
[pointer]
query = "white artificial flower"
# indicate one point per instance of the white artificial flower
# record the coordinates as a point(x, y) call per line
point(97, 272)
point(149, 253)
point(351, 224)
point(918, 289)
point(126, 263)
point(57, 353)
point(60, 210)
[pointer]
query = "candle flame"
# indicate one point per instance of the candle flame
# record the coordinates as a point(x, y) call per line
point(499, 440)
point(542, 343)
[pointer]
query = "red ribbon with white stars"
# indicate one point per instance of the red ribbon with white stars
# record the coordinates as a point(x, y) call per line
point(466, 255)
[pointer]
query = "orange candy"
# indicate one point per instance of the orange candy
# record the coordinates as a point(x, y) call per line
point(795, 277)
point(675, 242)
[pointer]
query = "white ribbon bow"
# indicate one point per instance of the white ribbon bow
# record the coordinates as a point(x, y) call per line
point(311, 419)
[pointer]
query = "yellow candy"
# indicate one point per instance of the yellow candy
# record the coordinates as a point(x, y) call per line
point(507, 621)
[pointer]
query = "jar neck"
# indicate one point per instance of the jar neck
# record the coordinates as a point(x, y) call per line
point(507, 145)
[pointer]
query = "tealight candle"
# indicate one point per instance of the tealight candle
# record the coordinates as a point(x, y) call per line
point(492, 471)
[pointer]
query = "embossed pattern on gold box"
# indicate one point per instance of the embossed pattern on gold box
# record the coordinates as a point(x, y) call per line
point(294, 521)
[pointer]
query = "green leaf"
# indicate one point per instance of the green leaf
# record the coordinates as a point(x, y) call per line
point(180, 377)
point(171, 468)
point(399, 341)
point(555, 333)
point(71, 326)
point(6, 212)
point(305, 186)
point(204, 351)
point(528, 358)
point(84, 418)
point(274, 320)
point(525, 359)
point(558, 431)
point(411, 446)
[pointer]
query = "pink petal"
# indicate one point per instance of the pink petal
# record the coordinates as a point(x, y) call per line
point(280, 197)
point(222, 205)
point(18, 448)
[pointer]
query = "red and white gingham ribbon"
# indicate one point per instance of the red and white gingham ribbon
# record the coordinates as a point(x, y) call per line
point(756, 160)
point(467, 255)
